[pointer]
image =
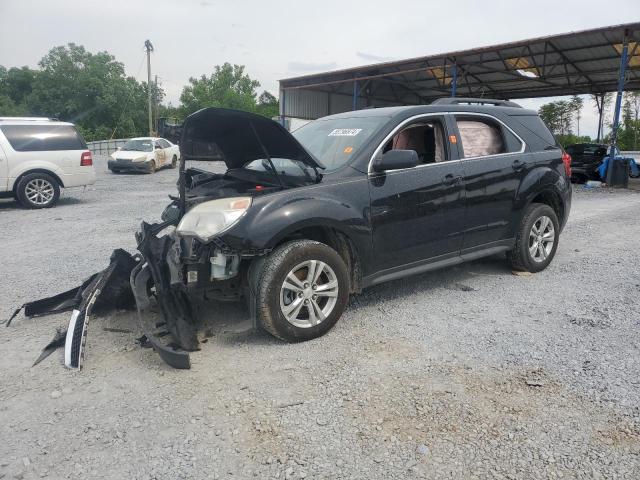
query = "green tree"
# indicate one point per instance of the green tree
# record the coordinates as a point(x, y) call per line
point(15, 86)
point(268, 105)
point(90, 90)
point(576, 105)
point(629, 130)
point(227, 87)
point(559, 116)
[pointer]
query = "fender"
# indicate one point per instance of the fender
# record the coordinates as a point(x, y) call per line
point(272, 218)
point(13, 181)
point(543, 179)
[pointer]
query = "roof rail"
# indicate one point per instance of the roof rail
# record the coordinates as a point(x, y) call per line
point(27, 119)
point(478, 101)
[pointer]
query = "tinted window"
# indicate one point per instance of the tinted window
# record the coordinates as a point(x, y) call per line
point(334, 141)
point(41, 138)
point(480, 138)
point(163, 143)
point(535, 125)
point(596, 150)
point(574, 150)
point(513, 143)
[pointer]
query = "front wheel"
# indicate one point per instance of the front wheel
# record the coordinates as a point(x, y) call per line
point(536, 240)
point(151, 167)
point(303, 290)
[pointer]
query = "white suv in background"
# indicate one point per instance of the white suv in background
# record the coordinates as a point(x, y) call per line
point(38, 156)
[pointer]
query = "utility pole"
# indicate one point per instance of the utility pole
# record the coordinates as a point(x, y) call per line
point(149, 47)
point(156, 102)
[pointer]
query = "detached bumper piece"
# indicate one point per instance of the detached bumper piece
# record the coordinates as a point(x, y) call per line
point(101, 292)
point(126, 283)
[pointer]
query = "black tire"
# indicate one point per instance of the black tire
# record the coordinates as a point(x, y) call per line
point(114, 170)
point(174, 161)
point(151, 166)
point(521, 257)
point(49, 187)
point(271, 279)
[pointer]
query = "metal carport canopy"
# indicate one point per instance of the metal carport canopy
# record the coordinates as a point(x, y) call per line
point(572, 63)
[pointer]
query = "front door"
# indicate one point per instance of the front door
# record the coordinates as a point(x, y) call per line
point(417, 213)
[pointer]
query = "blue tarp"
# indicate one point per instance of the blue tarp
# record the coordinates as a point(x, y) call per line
point(602, 169)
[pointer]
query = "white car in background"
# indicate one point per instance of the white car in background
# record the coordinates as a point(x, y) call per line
point(144, 154)
point(38, 156)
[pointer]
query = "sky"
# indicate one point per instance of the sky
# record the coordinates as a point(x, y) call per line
point(277, 39)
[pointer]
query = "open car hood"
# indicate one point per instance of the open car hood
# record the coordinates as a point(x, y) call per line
point(237, 138)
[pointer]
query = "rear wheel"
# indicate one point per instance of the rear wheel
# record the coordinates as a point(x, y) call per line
point(536, 240)
point(38, 190)
point(303, 290)
point(174, 161)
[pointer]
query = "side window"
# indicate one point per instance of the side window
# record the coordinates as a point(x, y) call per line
point(163, 143)
point(426, 137)
point(480, 137)
point(41, 138)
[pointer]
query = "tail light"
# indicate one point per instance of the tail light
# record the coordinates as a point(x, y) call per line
point(566, 159)
point(86, 160)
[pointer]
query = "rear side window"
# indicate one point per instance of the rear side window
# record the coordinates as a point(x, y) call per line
point(41, 138)
point(480, 138)
point(535, 125)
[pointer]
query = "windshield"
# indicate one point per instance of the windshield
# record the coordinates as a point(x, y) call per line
point(285, 167)
point(334, 141)
point(138, 146)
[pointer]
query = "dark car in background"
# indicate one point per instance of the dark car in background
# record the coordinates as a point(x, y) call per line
point(585, 160)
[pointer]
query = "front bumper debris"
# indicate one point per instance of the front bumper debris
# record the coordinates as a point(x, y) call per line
point(124, 285)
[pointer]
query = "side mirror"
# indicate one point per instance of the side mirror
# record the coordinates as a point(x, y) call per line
point(395, 160)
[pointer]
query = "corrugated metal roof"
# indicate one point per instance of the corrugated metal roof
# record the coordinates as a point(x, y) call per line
point(566, 64)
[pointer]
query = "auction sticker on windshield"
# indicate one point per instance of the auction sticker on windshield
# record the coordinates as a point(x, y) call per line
point(345, 132)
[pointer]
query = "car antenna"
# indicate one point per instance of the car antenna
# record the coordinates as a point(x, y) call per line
point(266, 153)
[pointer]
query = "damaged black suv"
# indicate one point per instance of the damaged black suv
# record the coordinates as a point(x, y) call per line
point(300, 221)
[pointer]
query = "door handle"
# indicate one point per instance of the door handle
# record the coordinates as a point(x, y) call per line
point(517, 165)
point(451, 179)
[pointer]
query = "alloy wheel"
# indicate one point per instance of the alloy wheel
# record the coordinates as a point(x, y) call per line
point(309, 293)
point(39, 191)
point(541, 239)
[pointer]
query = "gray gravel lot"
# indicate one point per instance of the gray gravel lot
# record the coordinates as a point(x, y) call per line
point(470, 372)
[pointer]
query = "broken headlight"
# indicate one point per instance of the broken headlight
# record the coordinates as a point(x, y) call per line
point(208, 219)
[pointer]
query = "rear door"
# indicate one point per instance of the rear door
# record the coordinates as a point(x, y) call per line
point(418, 213)
point(494, 164)
point(4, 167)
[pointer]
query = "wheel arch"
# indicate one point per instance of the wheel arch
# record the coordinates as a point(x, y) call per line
point(36, 170)
point(334, 237)
point(548, 196)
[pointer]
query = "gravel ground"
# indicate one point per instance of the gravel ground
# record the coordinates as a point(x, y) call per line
point(470, 372)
